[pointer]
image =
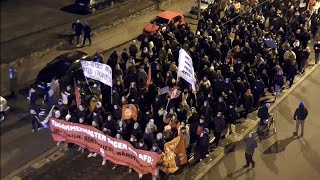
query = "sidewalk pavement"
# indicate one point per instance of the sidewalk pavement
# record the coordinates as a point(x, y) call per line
point(129, 29)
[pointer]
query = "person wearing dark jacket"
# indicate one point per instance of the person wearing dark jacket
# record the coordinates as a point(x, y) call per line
point(86, 34)
point(110, 124)
point(251, 144)
point(263, 113)
point(248, 102)
point(300, 115)
point(231, 118)
point(136, 130)
point(77, 28)
point(316, 48)
point(203, 144)
point(148, 137)
point(278, 83)
point(219, 126)
point(258, 90)
point(292, 72)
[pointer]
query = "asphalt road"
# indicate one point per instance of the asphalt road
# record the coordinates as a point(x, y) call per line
point(18, 144)
point(282, 156)
point(36, 25)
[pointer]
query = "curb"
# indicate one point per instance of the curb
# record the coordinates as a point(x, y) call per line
point(242, 135)
point(14, 173)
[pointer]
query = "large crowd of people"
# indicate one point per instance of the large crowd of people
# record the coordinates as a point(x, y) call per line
point(269, 48)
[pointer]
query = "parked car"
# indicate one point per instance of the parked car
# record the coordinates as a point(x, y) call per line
point(162, 20)
point(89, 6)
point(3, 108)
point(204, 4)
point(64, 67)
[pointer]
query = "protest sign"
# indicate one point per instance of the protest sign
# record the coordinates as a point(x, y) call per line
point(185, 68)
point(163, 90)
point(97, 71)
point(115, 150)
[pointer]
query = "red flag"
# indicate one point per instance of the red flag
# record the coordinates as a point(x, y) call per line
point(77, 94)
point(149, 76)
point(175, 93)
point(129, 111)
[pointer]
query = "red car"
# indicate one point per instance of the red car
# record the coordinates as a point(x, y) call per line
point(162, 20)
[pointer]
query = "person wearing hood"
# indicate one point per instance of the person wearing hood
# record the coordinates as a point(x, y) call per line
point(251, 144)
point(299, 116)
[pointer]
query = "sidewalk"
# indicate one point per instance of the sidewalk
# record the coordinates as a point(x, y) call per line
point(130, 28)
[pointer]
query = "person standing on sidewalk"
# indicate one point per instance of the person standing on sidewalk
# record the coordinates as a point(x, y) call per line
point(278, 83)
point(251, 144)
point(300, 115)
point(12, 80)
point(77, 28)
point(86, 34)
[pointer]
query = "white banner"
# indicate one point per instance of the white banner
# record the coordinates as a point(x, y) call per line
point(97, 71)
point(185, 68)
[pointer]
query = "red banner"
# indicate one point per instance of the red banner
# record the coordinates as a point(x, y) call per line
point(115, 150)
point(129, 111)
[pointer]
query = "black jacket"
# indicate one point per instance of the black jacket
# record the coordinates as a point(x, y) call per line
point(301, 113)
point(219, 124)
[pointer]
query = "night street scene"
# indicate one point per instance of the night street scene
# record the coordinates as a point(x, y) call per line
point(160, 89)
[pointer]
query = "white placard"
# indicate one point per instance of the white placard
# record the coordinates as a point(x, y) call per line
point(185, 68)
point(97, 71)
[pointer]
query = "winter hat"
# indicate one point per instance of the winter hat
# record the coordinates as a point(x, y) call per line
point(301, 104)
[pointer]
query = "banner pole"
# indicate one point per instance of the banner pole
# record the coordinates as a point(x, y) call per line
point(111, 94)
point(167, 107)
point(88, 84)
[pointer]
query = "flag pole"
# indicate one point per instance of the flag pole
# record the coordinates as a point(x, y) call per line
point(167, 107)
point(88, 84)
point(111, 94)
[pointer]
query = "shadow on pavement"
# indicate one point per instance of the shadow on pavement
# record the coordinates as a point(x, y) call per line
point(73, 9)
point(312, 156)
point(279, 146)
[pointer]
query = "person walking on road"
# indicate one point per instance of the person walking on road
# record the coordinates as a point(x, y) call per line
point(35, 120)
point(317, 49)
point(251, 144)
point(300, 115)
point(13, 80)
point(77, 28)
point(86, 34)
